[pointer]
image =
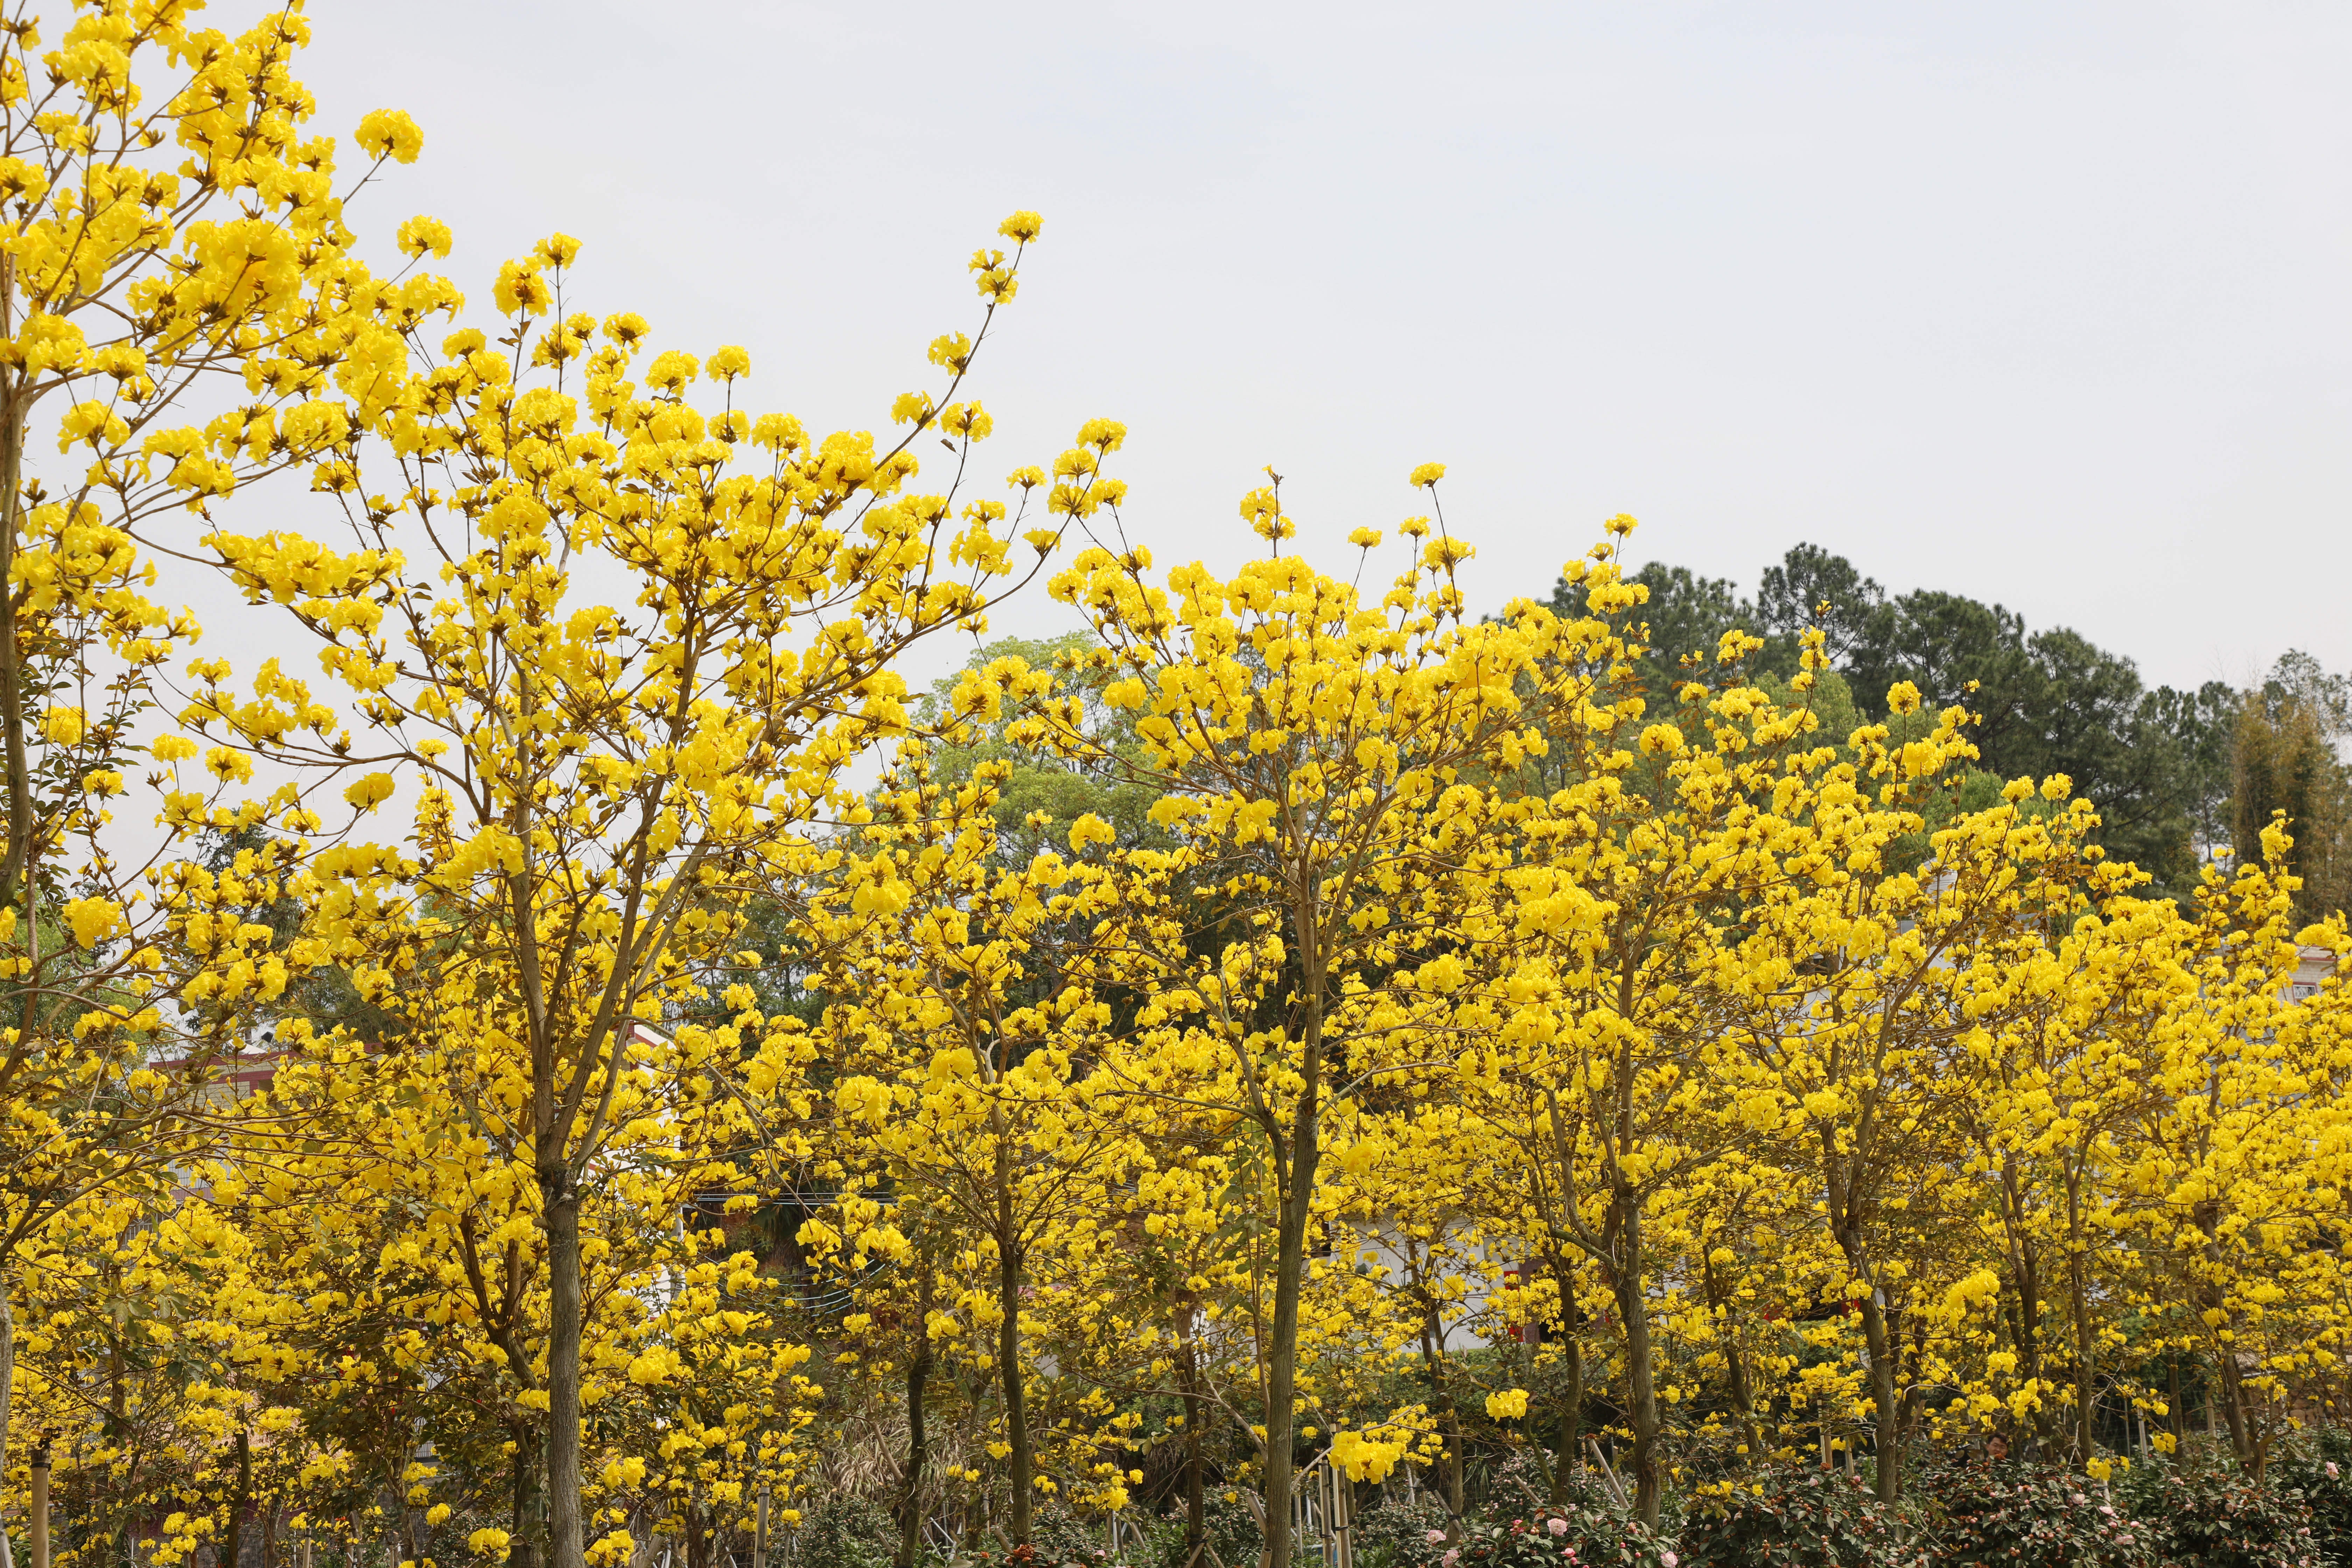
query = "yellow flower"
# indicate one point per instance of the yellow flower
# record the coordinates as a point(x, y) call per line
point(391, 133)
point(92, 920)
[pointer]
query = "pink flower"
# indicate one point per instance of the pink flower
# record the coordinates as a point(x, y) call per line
point(2108, 1509)
point(1434, 1537)
point(2077, 1498)
point(2331, 1469)
point(1558, 1526)
point(1668, 1559)
point(1451, 1557)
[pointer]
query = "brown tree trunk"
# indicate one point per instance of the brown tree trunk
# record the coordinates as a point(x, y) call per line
point(2079, 1293)
point(1572, 1411)
point(918, 1377)
point(1289, 1280)
point(1441, 1390)
point(567, 1529)
point(232, 1542)
point(1196, 1522)
point(1743, 1401)
point(15, 860)
point(1019, 1462)
point(523, 1548)
point(1885, 1407)
point(1641, 1389)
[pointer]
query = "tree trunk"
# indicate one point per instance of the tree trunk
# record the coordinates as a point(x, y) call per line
point(1289, 1279)
point(2234, 1412)
point(1885, 1407)
point(15, 860)
point(1571, 1413)
point(1743, 1399)
point(918, 1377)
point(1196, 1521)
point(233, 1542)
point(1008, 1363)
point(1640, 1376)
point(566, 1528)
point(522, 1549)
point(2078, 1290)
point(1441, 1390)
point(7, 1391)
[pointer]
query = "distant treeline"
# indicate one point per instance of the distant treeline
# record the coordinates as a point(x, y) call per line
point(2176, 774)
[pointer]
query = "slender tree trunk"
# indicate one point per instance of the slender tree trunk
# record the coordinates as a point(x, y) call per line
point(1640, 1376)
point(1196, 1522)
point(1743, 1402)
point(1885, 1406)
point(566, 1528)
point(7, 1392)
point(2084, 1435)
point(16, 861)
point(1441, 1390)
point(1572, 1412)
point(523, 1548)
point(233, 1542)
point(918, 1377)
point(1008, 1365)
point(1282, 1362)
point(2233, 1410)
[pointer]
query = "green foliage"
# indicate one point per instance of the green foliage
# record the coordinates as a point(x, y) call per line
point(1044, 794)
point(2285, 764)
point(2012, 1515)
point(1609, 1537)
point(2156, 762)
point(847, 1532)
point(2321, 1471)
point(1800, 1518)
point(2220, 1517)
point(1064, 1540)
point(1395, 1534)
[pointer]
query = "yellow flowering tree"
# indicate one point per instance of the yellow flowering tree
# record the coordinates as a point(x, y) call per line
point(598, 786)
point(182, 315)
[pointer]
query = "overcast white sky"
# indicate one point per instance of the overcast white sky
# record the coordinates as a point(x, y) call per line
point(2040, 303)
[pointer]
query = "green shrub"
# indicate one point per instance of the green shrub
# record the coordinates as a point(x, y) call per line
point(2016, 1515)
point(1063, 1539)
point(1232, 1529)
point(1396, 1533)
point(1800, 1518)
point(1548, 1538)
point(2215, 1518)
point(2321, 1470)
point(847, 1532)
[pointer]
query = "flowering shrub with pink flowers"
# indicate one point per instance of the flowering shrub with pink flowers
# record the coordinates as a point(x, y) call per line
point(2016, 1515)
point(1796, 1518)
point(2216, 1518)
point(2320, 1468)
point(1549, 1539)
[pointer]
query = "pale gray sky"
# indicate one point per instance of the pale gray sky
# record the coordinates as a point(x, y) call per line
point(2042, 302)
